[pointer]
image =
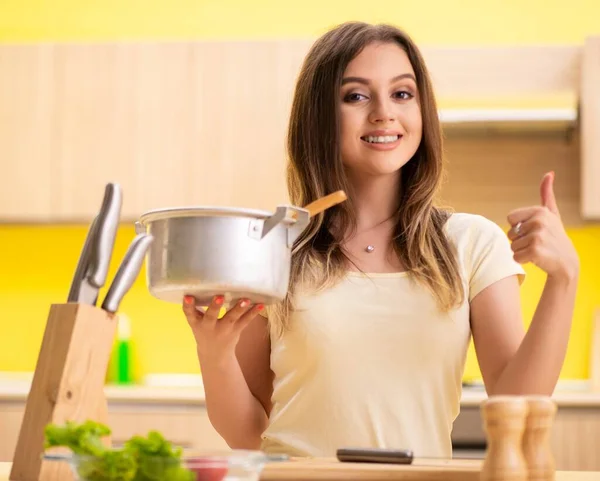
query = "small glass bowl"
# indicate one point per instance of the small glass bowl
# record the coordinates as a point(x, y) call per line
point(235, 465)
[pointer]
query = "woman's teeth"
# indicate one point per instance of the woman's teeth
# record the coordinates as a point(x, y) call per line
point(381, 139)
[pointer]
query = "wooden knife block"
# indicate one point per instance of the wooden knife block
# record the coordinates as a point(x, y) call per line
point(68, 384)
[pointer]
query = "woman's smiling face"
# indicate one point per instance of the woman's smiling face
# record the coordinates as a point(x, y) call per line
point(381, 124)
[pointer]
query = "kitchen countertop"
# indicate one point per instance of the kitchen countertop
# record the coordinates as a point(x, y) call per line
point(566, 395)
point(329, 469)
point(175, 389)
point(188, 389)
point(116, 393)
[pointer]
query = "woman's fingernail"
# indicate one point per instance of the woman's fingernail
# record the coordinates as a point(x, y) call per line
point(219, 300)
point(188, 299)
point(244, 303)
point(260, 307)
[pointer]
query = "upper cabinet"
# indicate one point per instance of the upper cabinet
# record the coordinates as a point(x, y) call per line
point(27, 142)
point(204, 123)
point(590, 129)
point(173, 124)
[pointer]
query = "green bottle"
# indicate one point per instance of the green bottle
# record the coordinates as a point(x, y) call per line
point(122, 353)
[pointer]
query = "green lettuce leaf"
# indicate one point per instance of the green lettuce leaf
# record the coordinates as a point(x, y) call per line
point(149, 458)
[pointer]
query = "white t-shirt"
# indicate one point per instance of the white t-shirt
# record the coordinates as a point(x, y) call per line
point(372, 362)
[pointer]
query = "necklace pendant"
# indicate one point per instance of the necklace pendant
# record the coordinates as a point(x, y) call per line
point(370, 249)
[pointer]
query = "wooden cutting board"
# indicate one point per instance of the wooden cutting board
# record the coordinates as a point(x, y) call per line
point(325, 470)
point(320, 469)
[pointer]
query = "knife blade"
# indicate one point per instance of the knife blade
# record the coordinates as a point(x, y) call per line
point(127, 273)
point(80, 288)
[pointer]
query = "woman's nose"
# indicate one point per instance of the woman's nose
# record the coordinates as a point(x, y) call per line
point(382, 112)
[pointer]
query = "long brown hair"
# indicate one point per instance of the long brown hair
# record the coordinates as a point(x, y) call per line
point(315, 169)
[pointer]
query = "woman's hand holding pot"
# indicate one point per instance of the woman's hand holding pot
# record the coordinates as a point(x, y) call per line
point(216, 337)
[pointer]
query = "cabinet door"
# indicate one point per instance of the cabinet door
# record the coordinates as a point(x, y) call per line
point(94, 88)
point(186, 426)
point(164, 137)
point(129, 117)
point(590, 124)
point(27, 128)
point(242, 94)
point(173, 123)
point(575, 439)
point(11, 417)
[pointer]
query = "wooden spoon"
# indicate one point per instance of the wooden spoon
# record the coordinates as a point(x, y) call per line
point(324, 203)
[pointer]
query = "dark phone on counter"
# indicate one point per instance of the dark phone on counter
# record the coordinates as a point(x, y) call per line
point(375, 455)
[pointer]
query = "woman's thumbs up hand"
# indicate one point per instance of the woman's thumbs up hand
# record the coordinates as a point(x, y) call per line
point(538, 235)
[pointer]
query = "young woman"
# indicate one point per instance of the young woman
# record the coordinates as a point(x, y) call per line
point(368, 349)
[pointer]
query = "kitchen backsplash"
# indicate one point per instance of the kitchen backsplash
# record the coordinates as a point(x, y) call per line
point(38, 263)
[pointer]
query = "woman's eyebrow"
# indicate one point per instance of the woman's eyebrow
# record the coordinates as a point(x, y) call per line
point(365, 81)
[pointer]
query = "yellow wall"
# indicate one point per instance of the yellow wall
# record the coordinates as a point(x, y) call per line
point(430, 21)
point(587, 242)
point(38, 261)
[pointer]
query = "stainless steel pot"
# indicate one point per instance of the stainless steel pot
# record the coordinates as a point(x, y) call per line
point(206, 251)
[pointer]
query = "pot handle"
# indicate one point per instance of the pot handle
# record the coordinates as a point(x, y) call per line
point(259, 228)
point(302, 220)
point(139, 228)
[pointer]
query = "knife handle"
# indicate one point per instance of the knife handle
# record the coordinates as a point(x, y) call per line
point(128, 272)
point(106, 233)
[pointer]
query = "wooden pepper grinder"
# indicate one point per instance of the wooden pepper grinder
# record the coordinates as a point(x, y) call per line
point(536, 439)
point(504, 424)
